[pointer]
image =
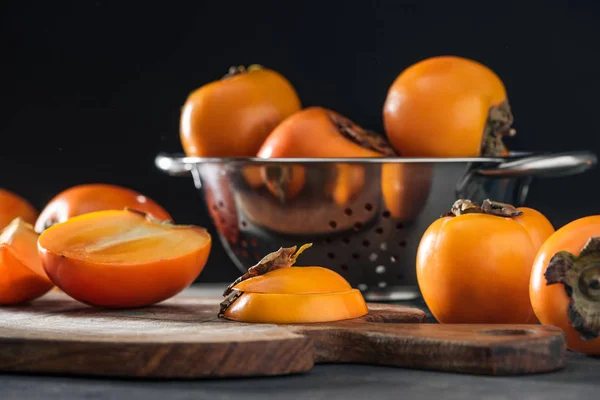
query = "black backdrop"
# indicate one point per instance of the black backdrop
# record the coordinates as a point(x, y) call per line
point(91, 90)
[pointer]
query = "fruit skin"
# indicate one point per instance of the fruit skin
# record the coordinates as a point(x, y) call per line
point(128, 284)
point(550, 302)
point(82, 199)
point(12, 206)
point(475, 268)
point(438, 107)
point(232, 117)
point(405, 188)
point(22, 277)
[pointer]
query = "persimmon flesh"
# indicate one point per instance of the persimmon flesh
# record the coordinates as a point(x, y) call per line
point(14, 206)
point(448, 106)
point(276, 292)
point(86, 198)
point(122, 258)
point(22, 276)
point(474, 266)
point(565, 283)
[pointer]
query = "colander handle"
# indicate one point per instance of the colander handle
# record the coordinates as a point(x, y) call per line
point(546, 166)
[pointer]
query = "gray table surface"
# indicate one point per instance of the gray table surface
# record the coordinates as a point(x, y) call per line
point(580, 379)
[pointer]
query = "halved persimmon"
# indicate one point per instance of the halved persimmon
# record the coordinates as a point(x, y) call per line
point(86, 198)
point(275, 292)
point(123, 258)
point(22, 277)
point(14, 206)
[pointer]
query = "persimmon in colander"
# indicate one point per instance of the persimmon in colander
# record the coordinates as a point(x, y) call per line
point(474, 263)
point(274, 291)
point(448, 106)
point(122, 258)
point(231, 117)
point(317, 132)
point(565, 283)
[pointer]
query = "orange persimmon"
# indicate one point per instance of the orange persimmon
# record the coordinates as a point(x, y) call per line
point(122, 258)
point(231, 117)
point(22, 277)
point(87, 198)
point(317, 132)
point(565, 283)
point(14, 206)
point(275, 292)
point(474, 263)
point(447, 106)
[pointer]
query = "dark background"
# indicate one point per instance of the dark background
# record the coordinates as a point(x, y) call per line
point(91, 90)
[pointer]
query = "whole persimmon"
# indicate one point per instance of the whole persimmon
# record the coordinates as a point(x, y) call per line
point(474, 263)
point(22, 276)
point(317, 132)
point(565, 283)
point(231, 117)
point(448, 106)
point(14, 206)
point(91, 197)
point(122, 258)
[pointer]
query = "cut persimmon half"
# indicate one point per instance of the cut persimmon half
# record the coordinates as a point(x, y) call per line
point(275, 292)
point(22, 277)
point(123, 258)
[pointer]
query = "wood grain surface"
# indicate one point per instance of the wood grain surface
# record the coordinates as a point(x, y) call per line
point(183, 338)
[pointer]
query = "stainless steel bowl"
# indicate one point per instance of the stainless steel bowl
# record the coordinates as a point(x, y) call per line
point(365, 217)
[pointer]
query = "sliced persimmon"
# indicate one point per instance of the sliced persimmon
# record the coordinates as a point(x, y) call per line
point(22, 277)
point(275, 292)
point(274, 308)
point(123, 258)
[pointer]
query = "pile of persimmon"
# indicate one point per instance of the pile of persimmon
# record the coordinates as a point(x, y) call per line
point(277, 292)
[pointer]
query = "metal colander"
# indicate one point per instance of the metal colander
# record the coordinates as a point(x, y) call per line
point(365, 217)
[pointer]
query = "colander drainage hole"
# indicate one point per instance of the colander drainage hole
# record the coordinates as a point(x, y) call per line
point(214, 207)
point(383, 246)
point(346, 240)
point(399, 226)
point(380, 269)
point(244, 252)
point(393, 259)
point(244, 243)
point(344, 267)
point(253, 242)
point(244, 224)
point(362, 287)
point(328, 240)
point(382, 284)
point(379, 230)
point(366, 243)
point(386, 214)
point(331, 255)
point(256, 255)
point(368, 206)
point(333, 224)
point(373, 256)
point(348, 211)
point(358, 226)
point(356, 256)
point(402, 243)
point(221, 204)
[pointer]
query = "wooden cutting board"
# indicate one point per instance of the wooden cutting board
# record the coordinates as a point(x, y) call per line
point(183, 338)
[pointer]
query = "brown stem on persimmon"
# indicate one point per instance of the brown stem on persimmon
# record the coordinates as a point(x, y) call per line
point(279, 178)
point(240, 69)
point(497, 126)
point(463, 206)
point(580, 277)
point(365, 138)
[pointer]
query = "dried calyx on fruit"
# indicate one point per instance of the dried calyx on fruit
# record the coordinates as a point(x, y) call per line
point(580, 276)
point(461, 207)
point(363, 137)
point(275, 291)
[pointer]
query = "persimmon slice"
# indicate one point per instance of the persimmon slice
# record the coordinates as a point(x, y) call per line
point(275, 308)
point(275, 292)
point(22, 277)
point(123, 258)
